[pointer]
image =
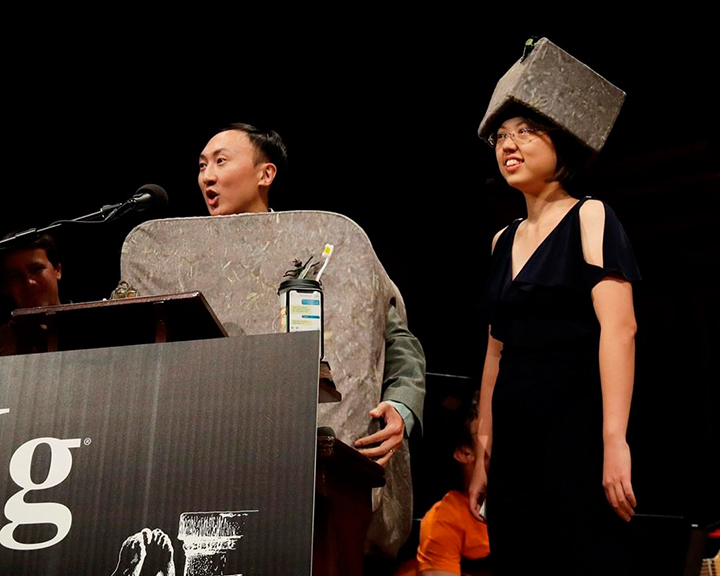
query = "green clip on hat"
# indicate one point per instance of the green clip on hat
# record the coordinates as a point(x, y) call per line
point(559, 87)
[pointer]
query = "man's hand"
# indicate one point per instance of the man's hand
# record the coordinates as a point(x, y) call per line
point(389, 439)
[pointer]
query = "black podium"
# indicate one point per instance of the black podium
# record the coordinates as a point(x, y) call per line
point(201, 450)
point(210, 443)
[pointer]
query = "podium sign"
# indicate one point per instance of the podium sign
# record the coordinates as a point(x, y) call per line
point(197, 455)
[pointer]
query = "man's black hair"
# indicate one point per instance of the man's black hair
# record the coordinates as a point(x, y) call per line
point(465, 437)
point(268, 146)
point(460, 435)
point(44, 242)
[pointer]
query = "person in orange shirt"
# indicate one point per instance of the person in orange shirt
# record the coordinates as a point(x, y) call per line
point(450, 538)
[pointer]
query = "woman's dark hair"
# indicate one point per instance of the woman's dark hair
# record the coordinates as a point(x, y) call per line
point(572, 156)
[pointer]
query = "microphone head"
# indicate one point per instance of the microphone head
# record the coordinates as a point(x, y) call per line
point(150, 196)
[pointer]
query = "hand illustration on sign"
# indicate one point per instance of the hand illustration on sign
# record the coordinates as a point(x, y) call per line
point(149, 549)
point(207, 539)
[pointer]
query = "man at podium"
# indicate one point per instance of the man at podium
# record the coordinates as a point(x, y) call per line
point(237, 169)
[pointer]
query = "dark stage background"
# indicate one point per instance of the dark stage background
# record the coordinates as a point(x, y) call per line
point(380, 121)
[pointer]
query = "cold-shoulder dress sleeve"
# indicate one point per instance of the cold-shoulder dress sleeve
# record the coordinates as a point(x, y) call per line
point(618, 256)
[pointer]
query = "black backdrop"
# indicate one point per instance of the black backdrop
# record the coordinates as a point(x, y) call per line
point(380, 116)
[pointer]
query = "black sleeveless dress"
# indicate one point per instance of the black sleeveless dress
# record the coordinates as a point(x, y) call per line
point(546, 506)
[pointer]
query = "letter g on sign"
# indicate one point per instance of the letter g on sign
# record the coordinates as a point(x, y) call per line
point(20, 512)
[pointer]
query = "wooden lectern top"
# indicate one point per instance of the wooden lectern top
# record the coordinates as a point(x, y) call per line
point(142, 320)
point(127, 321)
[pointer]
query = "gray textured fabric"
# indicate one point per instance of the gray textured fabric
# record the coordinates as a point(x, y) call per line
point(554, 84)
point(238, 262)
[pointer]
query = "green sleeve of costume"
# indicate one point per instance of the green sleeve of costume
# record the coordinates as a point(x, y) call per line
point(404, 376)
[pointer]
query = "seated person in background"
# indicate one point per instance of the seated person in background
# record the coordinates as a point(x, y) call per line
point(237, 168)
point(449, 535)
point(29, 275)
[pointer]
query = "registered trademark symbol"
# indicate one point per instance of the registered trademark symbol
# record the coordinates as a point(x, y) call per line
point(87, 441)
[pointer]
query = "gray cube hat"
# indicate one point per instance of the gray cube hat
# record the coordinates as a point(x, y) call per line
point(552, 83)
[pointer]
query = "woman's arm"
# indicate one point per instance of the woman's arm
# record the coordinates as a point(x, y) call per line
point(613, 302)
point(483, 440)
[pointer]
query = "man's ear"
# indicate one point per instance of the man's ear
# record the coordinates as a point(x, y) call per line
point(464, 454)
point(269, 171)
point(58, 271)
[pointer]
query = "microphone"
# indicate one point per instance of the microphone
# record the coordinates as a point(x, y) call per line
point(149, 196)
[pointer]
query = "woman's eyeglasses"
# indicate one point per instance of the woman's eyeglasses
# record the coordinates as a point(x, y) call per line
point(522, 136)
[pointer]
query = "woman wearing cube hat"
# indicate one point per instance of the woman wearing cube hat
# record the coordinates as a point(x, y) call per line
point(558, 375)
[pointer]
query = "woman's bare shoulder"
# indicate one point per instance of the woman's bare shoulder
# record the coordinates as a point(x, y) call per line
point(592, 226)
point(592, 211)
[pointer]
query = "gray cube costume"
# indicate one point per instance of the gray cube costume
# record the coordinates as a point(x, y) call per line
point(238, 262)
